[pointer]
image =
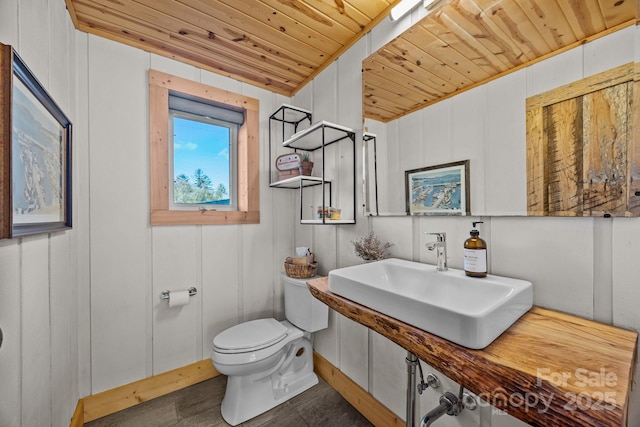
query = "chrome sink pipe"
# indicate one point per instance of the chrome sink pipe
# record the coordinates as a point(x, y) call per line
point(413, 386)
point(449, 404)
point(440, 246)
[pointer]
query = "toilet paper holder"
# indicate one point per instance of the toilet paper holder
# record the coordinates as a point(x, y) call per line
point(165, 294)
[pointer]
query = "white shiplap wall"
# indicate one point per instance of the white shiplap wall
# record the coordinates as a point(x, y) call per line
point(80, 310)
point(234, 267)
point(39, 275)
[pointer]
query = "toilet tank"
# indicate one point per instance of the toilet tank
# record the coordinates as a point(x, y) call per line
point(301, 308)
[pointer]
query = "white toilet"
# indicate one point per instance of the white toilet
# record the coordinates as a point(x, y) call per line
point(268, 362)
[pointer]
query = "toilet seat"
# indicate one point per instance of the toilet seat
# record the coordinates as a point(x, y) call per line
point(254, 353)
point(250, 336)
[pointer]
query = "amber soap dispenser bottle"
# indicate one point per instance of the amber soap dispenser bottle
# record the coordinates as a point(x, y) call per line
point(475, 254)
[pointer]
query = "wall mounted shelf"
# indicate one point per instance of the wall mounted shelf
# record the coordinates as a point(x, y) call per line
point(320, 134)
point(314, 138)
point(297, 182)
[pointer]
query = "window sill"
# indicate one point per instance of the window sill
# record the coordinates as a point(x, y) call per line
point(204, 217)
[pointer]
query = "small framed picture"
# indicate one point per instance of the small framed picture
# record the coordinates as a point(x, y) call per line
point(35, 154)
point(438, 190)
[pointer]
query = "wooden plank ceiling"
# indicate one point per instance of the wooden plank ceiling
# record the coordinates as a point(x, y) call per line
point(465, 43)
point(279, 45)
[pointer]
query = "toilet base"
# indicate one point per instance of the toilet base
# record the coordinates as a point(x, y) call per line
point(248, 396)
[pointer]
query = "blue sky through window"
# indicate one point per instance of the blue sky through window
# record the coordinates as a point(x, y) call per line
point(199, 145)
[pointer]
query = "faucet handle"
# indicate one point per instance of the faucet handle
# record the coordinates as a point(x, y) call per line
point(440, 237)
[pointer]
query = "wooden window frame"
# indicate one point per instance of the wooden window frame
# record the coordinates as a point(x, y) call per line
point(248, 207)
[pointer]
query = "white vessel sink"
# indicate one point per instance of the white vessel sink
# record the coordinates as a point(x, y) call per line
point(468, 311)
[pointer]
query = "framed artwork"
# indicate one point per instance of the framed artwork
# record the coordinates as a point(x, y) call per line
point(35, 154)
point(438, 190)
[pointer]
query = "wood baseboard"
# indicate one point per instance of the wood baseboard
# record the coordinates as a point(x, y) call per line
point(114, 400)
point(366, 404)
point(78, 415)
point(102, 404)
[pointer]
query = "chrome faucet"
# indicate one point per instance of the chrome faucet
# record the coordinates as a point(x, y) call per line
point(440, 246)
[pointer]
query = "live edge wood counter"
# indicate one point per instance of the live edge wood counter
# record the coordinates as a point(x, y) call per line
point(548, 369)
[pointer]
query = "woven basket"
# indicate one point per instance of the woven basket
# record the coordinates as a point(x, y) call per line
point(299, 271)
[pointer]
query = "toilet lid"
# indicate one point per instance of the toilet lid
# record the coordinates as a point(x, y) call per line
point(251, 335)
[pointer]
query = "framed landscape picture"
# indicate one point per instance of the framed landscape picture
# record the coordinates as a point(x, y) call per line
point(35, 154)
point(438, 190)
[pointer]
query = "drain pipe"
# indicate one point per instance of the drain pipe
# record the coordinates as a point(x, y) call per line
point(412, 361)
point(413, 386)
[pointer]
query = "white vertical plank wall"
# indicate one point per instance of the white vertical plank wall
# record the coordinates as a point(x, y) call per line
point(80, 310)
point(39, 356)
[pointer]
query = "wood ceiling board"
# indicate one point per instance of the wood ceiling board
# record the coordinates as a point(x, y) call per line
point(443, 28)
point(385, 66)
point(306, 59)
point(339, 10)
point(286, 43)
point(234, 49)
point(444, 53)
point(370, 8)
point(205, 61)
point(244, 40)
point(243, 60)
point(320, 38)
point(236, 25)
point(277, 64)
point(381, 108)
point(615, 12)
point(96, 15)
point(423, 72)
point(376, 81)
point(384, 95)
point(508, 15)
point(469, 18)
point(310, 18)
point(410, 50)
point(584, 16)
point(548, 18)
point(292, 74)
point(384, 108)
point(484, 31)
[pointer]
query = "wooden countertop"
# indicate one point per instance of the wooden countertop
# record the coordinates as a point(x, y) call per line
point(548, 369)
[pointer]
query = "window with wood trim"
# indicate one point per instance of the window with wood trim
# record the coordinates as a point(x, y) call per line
point(172, 100)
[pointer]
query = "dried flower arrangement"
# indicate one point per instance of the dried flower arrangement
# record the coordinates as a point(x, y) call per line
point(370, 248)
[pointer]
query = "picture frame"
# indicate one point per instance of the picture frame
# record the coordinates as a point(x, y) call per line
point(35, 154)
point(438, 190)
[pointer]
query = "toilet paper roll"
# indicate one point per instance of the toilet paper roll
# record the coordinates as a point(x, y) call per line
point(178, 298)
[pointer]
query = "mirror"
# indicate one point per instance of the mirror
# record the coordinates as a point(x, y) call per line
point(409, 83)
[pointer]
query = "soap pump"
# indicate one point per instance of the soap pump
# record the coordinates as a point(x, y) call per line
point(475, 254)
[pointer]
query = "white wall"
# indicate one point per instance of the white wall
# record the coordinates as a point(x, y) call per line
point(234, 267)
point(40, 275)
point(80, 310)
point(583, 266)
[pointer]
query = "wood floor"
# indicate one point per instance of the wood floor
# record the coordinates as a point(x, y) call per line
point(199, 406)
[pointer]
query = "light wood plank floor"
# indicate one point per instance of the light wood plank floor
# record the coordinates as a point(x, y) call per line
point(199, 406)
